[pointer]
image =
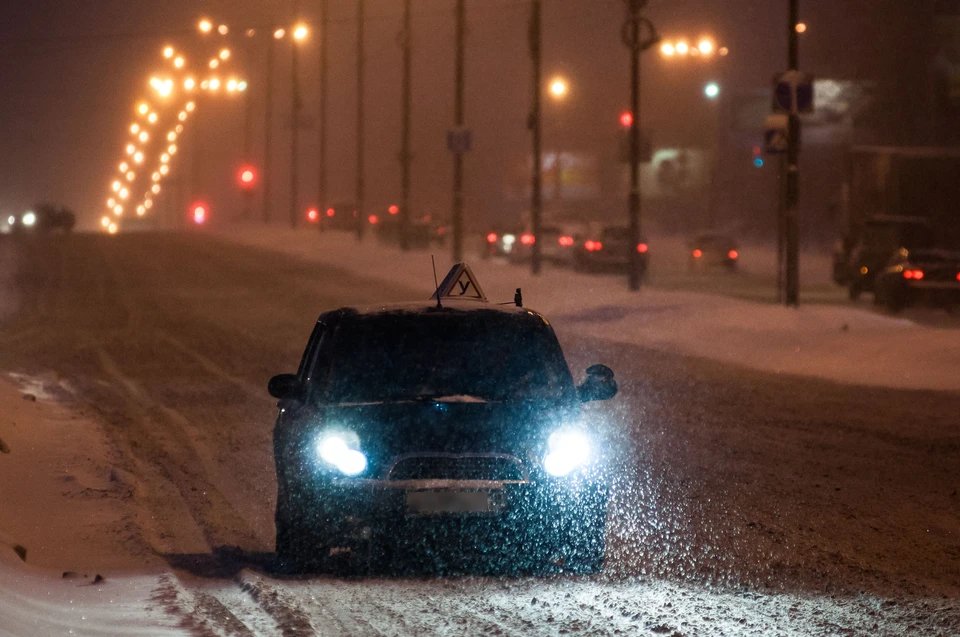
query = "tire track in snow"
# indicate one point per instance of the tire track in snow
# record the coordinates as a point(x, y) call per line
point(200, 613)
point(290, 617)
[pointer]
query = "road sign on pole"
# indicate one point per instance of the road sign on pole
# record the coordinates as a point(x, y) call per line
point(793, 93)
point(776, 134)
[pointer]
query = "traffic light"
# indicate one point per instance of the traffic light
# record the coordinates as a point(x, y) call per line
point(758, 157)
point(200, 213)
point(313, 215)
point(247, 177)
point(626, 119)
point(626, 140)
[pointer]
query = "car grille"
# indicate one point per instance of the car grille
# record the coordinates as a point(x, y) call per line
point(493, 467)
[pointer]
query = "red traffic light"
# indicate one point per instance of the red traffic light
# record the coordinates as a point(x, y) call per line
point(247, 176)
point(626, 119)
point(393, 209)
point(199, 213)
point(313, 215)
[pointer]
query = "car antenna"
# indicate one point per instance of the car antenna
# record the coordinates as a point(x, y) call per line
point(434, 262)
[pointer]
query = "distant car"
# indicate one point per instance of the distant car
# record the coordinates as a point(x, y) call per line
point(341, 216)
point(556, 245)
point(43, 218)
point(447, 430)
point(606, 247)
point(713, 251)
point(864, 255)
point(422, 233)
point(919, 276)
point(501, 242)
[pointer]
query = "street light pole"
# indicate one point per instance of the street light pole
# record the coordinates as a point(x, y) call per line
point(322, 187)
point(361, 218)
point(632, 38)
point(793, 171)
point(459, 121)
point(268, 131)
point(535, 124)
point(405, 150)
point(294, 125)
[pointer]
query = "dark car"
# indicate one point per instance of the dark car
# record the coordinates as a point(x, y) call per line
point(422, 232)
point(43, 218)
point(342, 216)
point(713, 251)
point(451, 433)
point(501, 242)
point(603, 247)
point(865, 253)
point(919, 276)
point(556, 245)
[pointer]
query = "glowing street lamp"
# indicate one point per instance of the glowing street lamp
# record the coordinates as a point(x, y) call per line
point(152, 118)
point(667, 49)
point(168, 52)
point(712, 90)
point(189, 83)
point(179, 62)
point(224, 54)
point(682, 48)
point(205, 26)
point(559, 87)
point(801, 27)
point(134, 128)
point(705, 47)
point(300, 32)
point(143, 109)
point(279, 33)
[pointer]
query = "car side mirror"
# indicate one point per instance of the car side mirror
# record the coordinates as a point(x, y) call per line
point(284, 386)
point(599, 384)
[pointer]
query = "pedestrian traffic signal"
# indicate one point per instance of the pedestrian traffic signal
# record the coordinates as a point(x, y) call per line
point(758, 157)
point(626, 119)
point(247, 177)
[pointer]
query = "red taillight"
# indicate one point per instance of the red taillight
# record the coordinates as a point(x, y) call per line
point(593, 246)
point(492, 237)
point(528, 239)
point(697, 254)
point(393, 209)
point(733, 254)
point(958, 276)
point(642, 248)
point(331, 212)
point(313, 215)
point(442, 230)
point(916, 275)
point(373, 219)
point(565, 241)
point(199, 215)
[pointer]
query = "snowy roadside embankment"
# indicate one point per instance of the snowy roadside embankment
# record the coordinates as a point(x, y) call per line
point(65, 527)
point(841, 343)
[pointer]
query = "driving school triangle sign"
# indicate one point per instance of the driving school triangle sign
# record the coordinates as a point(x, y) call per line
point(460, 283)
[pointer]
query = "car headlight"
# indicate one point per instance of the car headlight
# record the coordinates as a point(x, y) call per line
point(29, 219)
point(566, 451)
point(340, 450)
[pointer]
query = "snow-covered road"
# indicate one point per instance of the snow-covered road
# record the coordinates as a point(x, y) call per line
point(746, 503)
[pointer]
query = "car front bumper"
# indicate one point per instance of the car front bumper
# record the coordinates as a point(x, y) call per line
point(461, 520)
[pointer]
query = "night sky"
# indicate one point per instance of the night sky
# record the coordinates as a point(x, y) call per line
point(71, 72)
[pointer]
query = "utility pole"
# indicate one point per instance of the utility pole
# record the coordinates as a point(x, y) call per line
point(632, 38)
point(459, 121)
point(361, 218)
point(536, 127)
point(294, 123)
point(405, 150)
point(793, 171)
point(247, 149)
point(322, 188)
point(268, 131)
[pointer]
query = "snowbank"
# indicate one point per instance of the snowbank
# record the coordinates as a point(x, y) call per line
point(67, 546)
point(841, 343)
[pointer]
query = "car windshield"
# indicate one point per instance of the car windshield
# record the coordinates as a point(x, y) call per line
point(481, 355)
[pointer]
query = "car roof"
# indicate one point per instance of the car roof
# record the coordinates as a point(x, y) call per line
point(449, 307)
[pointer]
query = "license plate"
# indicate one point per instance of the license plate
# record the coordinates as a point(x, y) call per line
point(435, 502)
